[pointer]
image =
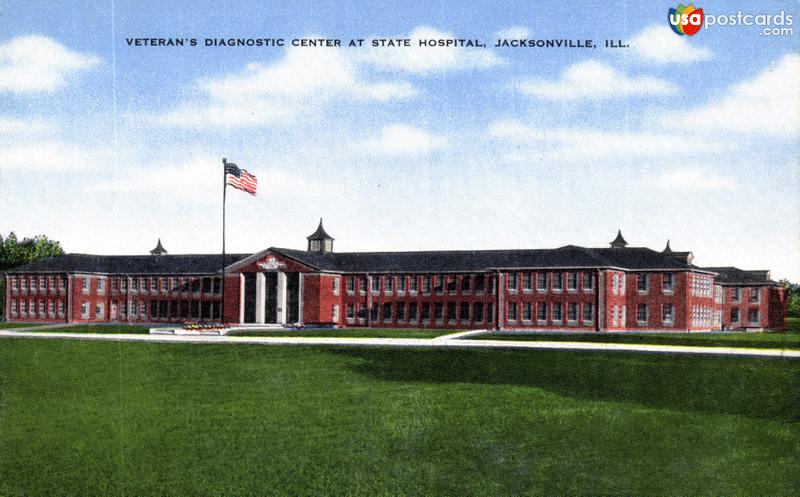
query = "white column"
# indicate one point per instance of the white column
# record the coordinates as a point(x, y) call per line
point(241, 298)
point(282, 298)
point(300, 296)
point(261, 296)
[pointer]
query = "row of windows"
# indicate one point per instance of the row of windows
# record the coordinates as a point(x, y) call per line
point(154, 309)
point(643, 313)
point(37, 283)
point(701, 316)
point(643, 282)
point(464, 312)
point(154, 284)
point(754, 294)
point(574, 280)
point(37, 308)
point(753, 316)
point(426, 283)
point(701, 285)
point(554, 312)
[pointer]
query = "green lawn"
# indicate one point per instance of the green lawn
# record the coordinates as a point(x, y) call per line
point(754, 340)
point(5, 326)
point(102, 418)
point(350, 332)
point(100, 328)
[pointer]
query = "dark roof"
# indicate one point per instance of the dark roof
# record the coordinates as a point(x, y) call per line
point(320, 234)
point(636, 258)
point(730, 275)
point(619, 242)
point(131, 264)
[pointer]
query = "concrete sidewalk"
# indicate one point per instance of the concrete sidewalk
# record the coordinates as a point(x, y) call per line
point(413, 342)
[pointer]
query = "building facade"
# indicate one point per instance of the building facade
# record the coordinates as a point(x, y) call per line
point(618, 288)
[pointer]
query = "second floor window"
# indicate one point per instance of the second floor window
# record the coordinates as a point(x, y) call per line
point(558, 281)
point(755, 294)
point(668, 282)
point(641, 282)
point(512, 282)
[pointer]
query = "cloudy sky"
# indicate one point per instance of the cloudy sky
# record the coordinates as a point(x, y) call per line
point(106, 146)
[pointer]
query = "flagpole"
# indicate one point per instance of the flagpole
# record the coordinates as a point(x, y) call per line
point(224, 191)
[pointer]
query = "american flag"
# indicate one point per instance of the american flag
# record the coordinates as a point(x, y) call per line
point(240, 179)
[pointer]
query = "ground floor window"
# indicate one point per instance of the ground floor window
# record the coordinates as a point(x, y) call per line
point(588, 313)
point(667, 313)
point(753, 316)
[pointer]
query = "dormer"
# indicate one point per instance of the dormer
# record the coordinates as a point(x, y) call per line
point(619, 242)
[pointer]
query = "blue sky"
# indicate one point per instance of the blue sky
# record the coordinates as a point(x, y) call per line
point(107, 147)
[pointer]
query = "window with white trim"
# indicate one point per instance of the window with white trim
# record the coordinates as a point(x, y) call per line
point(755, 294)
point(351, 312)
point(557, 282)
point(572, 281)
point(541, 282)
point(642, 284)
point(351, 284)
point(572, 312)
point(541, 312)
point(668, 282)
point(101, 286)
point(512, 282)
point(558, 311)
point(99, 311)
point(588, 312)
point(388, 285)
point(512, 311)
point(753, 316)
point(668, 313)
point(335, 285)
point(335, 313)
point(85, 310)
point(641, 313)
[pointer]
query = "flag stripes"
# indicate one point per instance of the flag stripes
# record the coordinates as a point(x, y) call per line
point(240, 179)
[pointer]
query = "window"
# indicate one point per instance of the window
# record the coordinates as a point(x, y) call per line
point(641, 313)
point(466, 281)
point(527, 282)
point(85, 310)
point(572, 311)
point(23, 308)
point(668, 282)
point(464, 311)
point(622, 284)
point(165, 283)
point(364, 285)
point(557, 311)
point(41, 308)
point(753, 316)
point(512, 282)
point(412, 311)
point(541, 312)
point(373, 312)
point(376, 284)
point(401, 284)
point(387, 311)
point(62, 283)
point(734, 315)
point(452, 284)
point(13, 307)
point(412, 284)
point(51, 308)
point(755, 294)
point(624, 319)
point(490, 313)
point(438, 312)
point(439, 284)
point(388, 285)
point(558, 281)
point(24, 282)
point(512, 311)
point(615, 284)
point(572, 281)
point(335, 313)
point(426, 284)
point(641, 283)
point(101, 286)
point(615, 316)
point(527, 311)
point(134, 285)
point(14, 283)
point(667, 313)
point(736, 294)
point(451, 312)
point(426, 311)
point(351, 284)
point(400, 311)
point(477, 312)
point(336, 285)
point(61, 308)
point(85, 285)
point(51, 283)
point(588, 313)
point(480, 283)
point(351, 312)
point(153, 285)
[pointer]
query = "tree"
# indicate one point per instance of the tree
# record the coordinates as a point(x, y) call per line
point(15, 253)
point(792, 297)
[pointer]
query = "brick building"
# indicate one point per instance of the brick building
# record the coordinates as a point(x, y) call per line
point(568, 288)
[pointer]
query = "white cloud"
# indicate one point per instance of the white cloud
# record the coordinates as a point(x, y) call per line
point(300, 82)
point(660, 45)
point(515, 33)
point(53, 155)
point(401, 139)
point(199, 178)
point(590, 145)
point(36, 63)
point(26, 126)
point(427, 60)
point(767, 105)
point(692, 180)
point(593, 80)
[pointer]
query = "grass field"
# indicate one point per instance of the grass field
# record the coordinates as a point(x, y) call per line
point(351, 332)
point(102, 418)
point(754, 340)
point(5, 326)
point(99, 328)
